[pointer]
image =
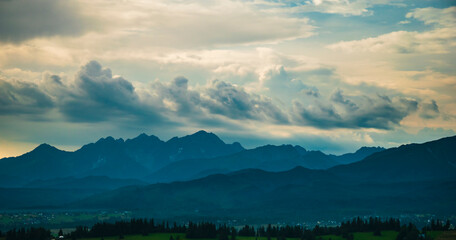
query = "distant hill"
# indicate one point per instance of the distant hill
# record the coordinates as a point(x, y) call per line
point(297, 193)
point(359, 155)
point(269, 158)
point(90, 182)
point(412, 162)
point(39, 198)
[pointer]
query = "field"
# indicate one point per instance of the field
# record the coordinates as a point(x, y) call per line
point(166, 236)
point(57, 219)
point(386, 235)
point(449, 235)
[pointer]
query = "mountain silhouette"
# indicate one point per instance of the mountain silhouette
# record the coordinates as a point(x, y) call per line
point(151, 159)
point(412, 162)
point(413, 178)
point(408, 179)
point(115, 158)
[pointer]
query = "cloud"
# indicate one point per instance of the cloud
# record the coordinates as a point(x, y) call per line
point(98, 96)
point(19, 97)
point(344, 7)
point(338, 97)
point(442, 17)
point(311, 92)
point(95, 95)
point(177, 97)
point(232, 101)
point(21, 20)
point(429, 110)
point(380, 112)
point(437, 40)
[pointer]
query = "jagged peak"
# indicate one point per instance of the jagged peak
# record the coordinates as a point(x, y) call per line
point(109, 139)
point(200, 135)
point(144, 136)
point(270, 146)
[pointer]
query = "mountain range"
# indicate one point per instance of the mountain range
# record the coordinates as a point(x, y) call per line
point(152, 160)
point(415, 178)
point(200, 175)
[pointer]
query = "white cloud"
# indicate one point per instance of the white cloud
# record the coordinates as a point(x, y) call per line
point(145, 30)
point(344, 7)
point(436, 41)
point(443, 17)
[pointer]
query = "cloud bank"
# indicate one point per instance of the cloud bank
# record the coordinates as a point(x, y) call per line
point(96, 95)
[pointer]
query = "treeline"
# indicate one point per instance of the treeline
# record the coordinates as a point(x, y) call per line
point(122, 228)
point(223, 232)
point(27, 234)
point(437, 226)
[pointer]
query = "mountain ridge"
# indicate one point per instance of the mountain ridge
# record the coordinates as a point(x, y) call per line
point(144, 156)
point(116, 158)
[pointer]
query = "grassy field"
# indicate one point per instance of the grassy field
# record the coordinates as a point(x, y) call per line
point(449, 235)
point(166, 236)
point(58, 219)
point(332, 237)
point(386, 235)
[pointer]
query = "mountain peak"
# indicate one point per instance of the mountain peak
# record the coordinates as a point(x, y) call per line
point(201, 132)
point(44, 147)
point(109, 139)
point(142, 135)
point(369, 149)
point(300, 149)
point(144, 140)
point(203, 136)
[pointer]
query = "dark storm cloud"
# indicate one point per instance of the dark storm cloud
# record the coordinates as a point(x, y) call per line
point(95, 95)
point(234, 102)
point(25, 19)
point(218, 98)
point(380, 112)
point(429, 110)
point(23, 98)
point(338, 97)
point(318, 115)
point(98, 96)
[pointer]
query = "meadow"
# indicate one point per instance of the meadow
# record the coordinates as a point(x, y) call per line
point(386, 235)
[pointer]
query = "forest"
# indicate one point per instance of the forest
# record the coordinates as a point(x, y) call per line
point(208, 230)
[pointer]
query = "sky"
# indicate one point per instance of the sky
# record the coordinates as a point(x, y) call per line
point(332, 75)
